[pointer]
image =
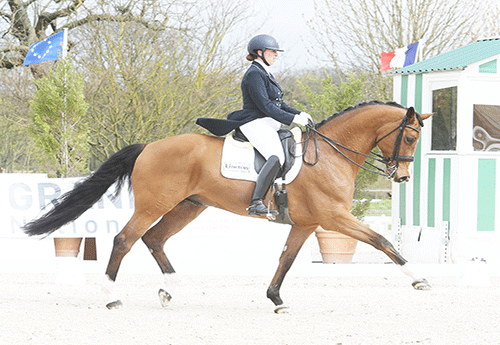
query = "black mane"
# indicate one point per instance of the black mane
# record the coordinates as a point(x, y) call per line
point(359, 105)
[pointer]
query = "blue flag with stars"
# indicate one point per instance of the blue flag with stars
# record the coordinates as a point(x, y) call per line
point(49, 49)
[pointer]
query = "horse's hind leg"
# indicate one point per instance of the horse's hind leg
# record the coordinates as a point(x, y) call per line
point(122, 243)
point(170, 224)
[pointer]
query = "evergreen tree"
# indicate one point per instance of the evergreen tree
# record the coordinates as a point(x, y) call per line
point(59, 124)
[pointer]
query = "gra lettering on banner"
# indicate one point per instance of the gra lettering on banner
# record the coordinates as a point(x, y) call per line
point(115, 200)
point(19, 200)
point(29, 199)
point(47, 192)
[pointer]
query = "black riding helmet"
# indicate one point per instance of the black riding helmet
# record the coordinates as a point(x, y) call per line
point(262, 42)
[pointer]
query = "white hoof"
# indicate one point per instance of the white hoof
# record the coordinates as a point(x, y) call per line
point(281, 309)
point(165, 297)
point(422, 284)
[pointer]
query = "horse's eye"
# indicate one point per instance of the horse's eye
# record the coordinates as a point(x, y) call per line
point(409, 140)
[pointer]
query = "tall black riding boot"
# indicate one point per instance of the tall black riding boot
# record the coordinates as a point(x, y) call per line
point(265, 179)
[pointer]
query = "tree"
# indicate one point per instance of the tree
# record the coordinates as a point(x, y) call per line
point(17, 151)
point(144, 84)
point(59, 123)
point(353, 33)
point(334, 97)
point(331, 98)
point(491, 26)
point(27, 21)
point(149, 69)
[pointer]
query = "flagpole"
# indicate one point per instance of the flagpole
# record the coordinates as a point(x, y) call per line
point(64, 53)
point(64, 47)
point(421, 45)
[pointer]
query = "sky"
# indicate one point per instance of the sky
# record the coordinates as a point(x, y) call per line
point(286, 20)
point(287, 24)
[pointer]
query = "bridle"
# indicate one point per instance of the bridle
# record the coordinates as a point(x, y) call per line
point(391, 163)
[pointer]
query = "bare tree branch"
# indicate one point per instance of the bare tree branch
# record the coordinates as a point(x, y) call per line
point(369, 27)
point(48, 18)
point(117, 18)
point(29, 21)
point(353, 33)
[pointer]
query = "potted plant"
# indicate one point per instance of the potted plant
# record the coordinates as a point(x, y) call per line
point(335, 247)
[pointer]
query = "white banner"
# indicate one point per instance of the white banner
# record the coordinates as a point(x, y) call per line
point(24, 197)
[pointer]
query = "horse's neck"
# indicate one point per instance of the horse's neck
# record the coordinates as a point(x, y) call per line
point(357, 132)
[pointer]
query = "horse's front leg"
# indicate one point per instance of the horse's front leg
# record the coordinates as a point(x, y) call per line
point(296, 238)
point(351, 226)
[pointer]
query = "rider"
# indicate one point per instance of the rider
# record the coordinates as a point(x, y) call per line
point(262, 115)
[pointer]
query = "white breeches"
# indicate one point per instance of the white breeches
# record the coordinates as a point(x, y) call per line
point(263, 135)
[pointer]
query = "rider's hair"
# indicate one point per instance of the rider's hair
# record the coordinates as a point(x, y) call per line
point(251, 57)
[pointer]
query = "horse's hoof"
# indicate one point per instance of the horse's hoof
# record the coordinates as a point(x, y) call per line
point(165, 297)
point(421, 285)
point(281, 309)
point(114, 305)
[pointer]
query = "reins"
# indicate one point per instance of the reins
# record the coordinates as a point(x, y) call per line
point(391, 163)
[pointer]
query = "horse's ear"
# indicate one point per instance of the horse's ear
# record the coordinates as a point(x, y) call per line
point(410, 114)
point(422, 117)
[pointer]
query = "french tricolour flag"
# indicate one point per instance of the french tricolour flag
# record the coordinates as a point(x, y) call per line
point(401, 57)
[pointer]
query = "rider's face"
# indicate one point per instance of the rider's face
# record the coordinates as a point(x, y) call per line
point(270, 55)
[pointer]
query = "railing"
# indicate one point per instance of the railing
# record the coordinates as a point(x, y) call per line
point(380, 224)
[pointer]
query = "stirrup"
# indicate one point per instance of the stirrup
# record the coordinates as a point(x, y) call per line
point(257, 208)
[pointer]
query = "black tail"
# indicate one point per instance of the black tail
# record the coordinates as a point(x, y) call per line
point(72, 204)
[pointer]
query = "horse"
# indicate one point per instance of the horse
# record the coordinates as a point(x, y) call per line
point(175, 179)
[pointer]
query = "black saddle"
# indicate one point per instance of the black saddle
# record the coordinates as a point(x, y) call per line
point(288, 142)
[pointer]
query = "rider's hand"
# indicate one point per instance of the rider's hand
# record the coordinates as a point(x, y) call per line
point(309, 117)
point(302, 119)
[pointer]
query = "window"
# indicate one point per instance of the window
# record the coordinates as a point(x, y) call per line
point(486, 128)
point(444, 120)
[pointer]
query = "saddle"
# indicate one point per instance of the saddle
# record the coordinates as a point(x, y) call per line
point(240, 160)
point(289, 148)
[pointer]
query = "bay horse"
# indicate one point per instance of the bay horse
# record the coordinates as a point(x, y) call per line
point(177, 178)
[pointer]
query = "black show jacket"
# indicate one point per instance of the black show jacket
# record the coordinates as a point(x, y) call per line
point(262, 97)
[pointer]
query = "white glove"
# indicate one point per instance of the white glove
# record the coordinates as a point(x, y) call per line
point(309, 117)
point(302, 119)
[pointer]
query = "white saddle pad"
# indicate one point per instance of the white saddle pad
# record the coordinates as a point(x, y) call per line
point(238, 159)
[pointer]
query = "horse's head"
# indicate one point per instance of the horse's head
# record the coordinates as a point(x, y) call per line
point(399, 144)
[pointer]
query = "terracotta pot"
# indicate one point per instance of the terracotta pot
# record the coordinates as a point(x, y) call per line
point(67, 247)
point(68, 266)
point(335, 247)
point(90, 249)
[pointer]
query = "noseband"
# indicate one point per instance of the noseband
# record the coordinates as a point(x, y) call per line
point(391, 163)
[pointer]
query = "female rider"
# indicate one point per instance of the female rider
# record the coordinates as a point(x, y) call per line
point(263, 112)
point(261, 117)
